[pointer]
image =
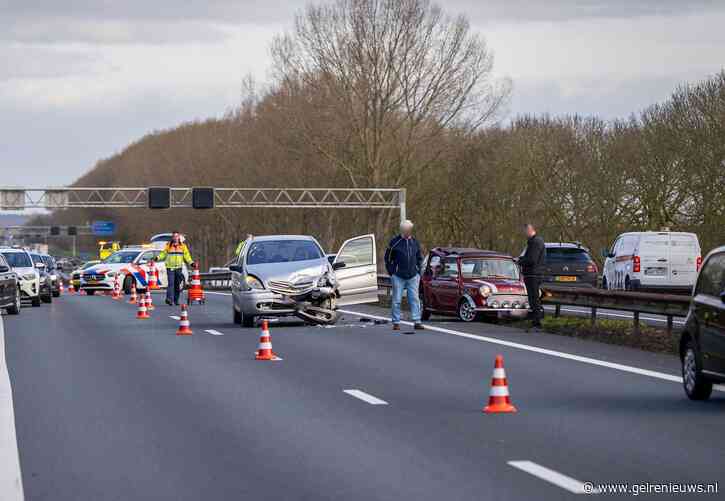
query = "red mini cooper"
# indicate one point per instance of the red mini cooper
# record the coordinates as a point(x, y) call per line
point(471, 283)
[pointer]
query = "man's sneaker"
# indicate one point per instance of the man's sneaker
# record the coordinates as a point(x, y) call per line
point(396, 327)
point(168, 302)
point(418, 326)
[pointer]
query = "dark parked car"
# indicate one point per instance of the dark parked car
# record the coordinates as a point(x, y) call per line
point(702, 345)
point(470, 283)
point(570, 264)
point(46, 283)
point(51, 268)
point(9, 288)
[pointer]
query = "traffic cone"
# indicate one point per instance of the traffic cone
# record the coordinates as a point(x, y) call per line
point(71, 289)
point(149, 301)
point(142, 313)
point(134, 297)
point(153, 276)
point(195, 292)
point(116, 293)
point(498, 399)
point(265, 344)
point(184, 326)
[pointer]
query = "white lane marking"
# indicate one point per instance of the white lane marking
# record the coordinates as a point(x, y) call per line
point(11, 480)
point(619, 315)
point(175, 317)
point(213, 332)
point(365, 397)
point(544, 351)
point(218, 293)
point(553, 477)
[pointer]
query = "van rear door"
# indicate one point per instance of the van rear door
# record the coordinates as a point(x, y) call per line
point(684, 250)
point(654, 255)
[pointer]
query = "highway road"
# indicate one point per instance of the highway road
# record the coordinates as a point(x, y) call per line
point(107, 407)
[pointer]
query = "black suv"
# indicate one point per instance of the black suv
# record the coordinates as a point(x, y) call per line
point(570, 264)
point(9, 288)
point(702, 345)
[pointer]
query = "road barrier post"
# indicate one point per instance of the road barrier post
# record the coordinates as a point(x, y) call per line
point(593, 315)
point(636, 330)
point(557, 311)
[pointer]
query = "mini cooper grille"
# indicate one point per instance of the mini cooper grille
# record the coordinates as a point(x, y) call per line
point(291, 288)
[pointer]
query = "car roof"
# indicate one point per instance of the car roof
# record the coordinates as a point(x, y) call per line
point(566, 245)
point(267, 238)
point(12, 249)
point(468, 252)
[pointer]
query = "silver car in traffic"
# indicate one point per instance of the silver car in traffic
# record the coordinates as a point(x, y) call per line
point(274, 275)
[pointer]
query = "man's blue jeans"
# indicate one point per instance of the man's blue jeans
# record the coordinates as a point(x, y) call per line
point(410, 286)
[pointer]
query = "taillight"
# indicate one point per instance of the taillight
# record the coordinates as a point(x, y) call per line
point(636, 264)
point(592, 268)
point(699, 262)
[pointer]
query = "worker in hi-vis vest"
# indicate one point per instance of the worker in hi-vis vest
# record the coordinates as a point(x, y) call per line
point(174, 255)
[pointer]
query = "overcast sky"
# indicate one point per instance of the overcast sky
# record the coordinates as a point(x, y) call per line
point(80, 79)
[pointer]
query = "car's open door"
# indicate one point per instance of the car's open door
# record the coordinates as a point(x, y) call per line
point(358, 278)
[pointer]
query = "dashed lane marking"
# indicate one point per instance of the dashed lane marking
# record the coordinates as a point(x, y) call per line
point(553, 477)
point(213, 332)
point(365, 397)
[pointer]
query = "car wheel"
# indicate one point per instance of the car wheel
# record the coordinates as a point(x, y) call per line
point(35, 301)
point(90, 292)
point(425, 314)
point(627, 284)
point(15, 308)
point(466, 312)
point(56, 294)
point(605, 284)
point(47, 298)
point(695, 384)
point(237, 316)
point(248, 321)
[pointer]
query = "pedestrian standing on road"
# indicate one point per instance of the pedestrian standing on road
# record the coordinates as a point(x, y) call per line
point(174, 255)
point(403, 260)
point(532, 266)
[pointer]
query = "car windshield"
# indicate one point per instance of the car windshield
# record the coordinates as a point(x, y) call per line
point(89, 264)
point(37, 259)
point(568, 254)
point(18, 259)
point(123, 257)
point(282, 251)
point(489, 268)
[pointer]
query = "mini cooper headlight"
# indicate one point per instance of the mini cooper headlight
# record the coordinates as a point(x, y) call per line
point(485, 290)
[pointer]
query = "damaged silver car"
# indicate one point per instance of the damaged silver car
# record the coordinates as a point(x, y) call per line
point(284, 275)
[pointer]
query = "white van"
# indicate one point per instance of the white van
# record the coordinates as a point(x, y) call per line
point(652, 260)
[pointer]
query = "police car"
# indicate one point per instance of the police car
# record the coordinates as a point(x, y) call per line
point(127, 266)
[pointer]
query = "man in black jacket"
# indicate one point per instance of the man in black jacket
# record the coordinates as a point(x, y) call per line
point(403, 261)
point(532, 266)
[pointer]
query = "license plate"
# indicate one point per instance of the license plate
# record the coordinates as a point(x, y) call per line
point(92, 282)
point(656, 271)
point(565, 279)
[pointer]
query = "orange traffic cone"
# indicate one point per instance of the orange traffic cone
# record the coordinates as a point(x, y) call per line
point(184, 326)
point(153, 277)
point(265, 344)
point(142, 313)
point(149, 301)
point(195, 292)
point(498, 399)
point(116, 293)
point(71, 289)
point(134, 297)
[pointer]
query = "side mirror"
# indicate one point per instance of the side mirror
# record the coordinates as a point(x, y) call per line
point(338, 265)
point(4, 269)
point(236, 268)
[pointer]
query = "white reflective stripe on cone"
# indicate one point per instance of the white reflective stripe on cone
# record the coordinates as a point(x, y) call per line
point(499, 374)
point(265, 346)
point(499, 391)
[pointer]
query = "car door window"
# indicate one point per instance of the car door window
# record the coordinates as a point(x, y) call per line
point(357, 252)
point(450, 268)
point(434, 265)
point(712, 276)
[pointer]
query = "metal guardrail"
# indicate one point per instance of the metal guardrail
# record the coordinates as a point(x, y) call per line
point(667, 305)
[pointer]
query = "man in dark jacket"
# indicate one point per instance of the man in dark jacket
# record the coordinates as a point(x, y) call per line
point(403, 261)
point(532, 266)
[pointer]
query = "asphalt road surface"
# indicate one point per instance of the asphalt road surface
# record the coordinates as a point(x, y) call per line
point(107, 407)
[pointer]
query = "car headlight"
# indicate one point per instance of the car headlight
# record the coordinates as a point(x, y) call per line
point(29, 276)
point(254, 282)
point(485, 290)
point(111, 274)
